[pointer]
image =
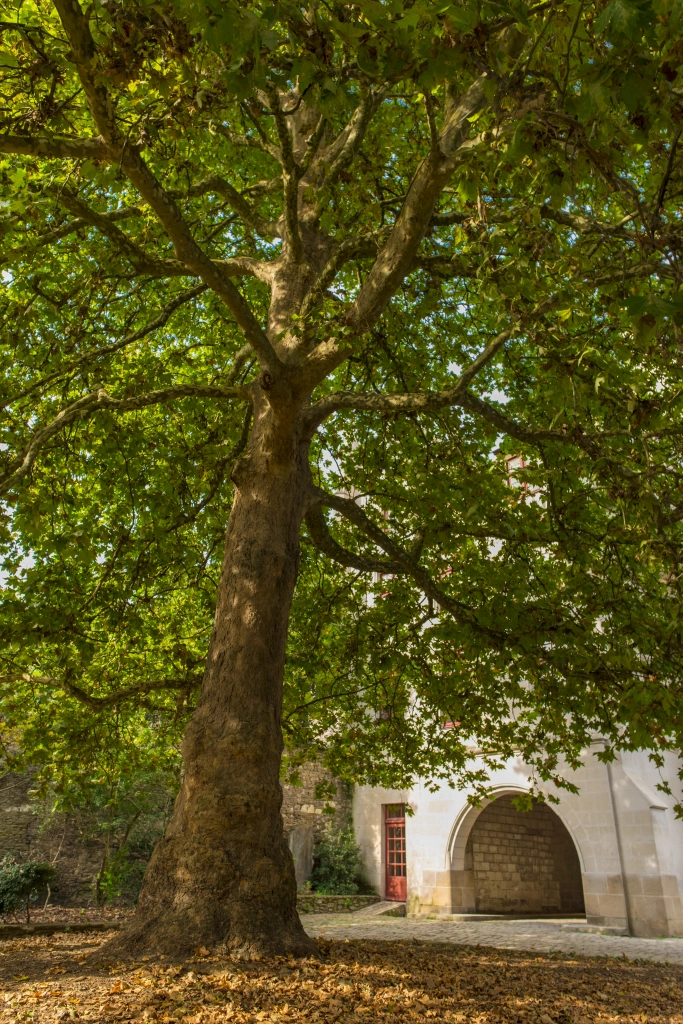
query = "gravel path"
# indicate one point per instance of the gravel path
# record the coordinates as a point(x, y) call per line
point(541, 936)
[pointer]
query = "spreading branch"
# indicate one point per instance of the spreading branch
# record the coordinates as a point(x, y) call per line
point(112, 699)
point(291, 172)
point(320, 535)
point(142, 262)
point(587, 225)
point(56, 148)
point(242, 207)
point(422, 401)
point(354, 513)
point(99, 401)
point(132, 164)
point(48, 237)
point(341, 152)
point(397, 255)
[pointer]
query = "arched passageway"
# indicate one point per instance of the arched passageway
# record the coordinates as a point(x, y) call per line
point(523, 862)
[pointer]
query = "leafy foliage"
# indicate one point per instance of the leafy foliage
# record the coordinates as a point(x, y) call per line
point(536, 615)
point(119, 805)
point(337, 863)
point(20, 883)
point(125, 814)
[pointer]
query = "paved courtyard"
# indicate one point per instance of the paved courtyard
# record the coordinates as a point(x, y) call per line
point(543, 936)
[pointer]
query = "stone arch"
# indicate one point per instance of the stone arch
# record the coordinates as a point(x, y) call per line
point(506, 861)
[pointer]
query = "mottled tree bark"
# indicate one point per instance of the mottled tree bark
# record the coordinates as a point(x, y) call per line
point(223, 876)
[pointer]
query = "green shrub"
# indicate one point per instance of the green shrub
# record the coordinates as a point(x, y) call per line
point(337, 864)
point(21, 883)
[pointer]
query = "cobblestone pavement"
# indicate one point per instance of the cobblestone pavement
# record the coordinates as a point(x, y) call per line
point(542, 936)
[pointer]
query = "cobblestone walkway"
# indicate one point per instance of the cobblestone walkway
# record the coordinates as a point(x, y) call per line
point(542, 936)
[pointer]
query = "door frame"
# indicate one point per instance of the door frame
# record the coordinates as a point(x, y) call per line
point(400, 820)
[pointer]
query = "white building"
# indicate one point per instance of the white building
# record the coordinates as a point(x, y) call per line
point(614, 850)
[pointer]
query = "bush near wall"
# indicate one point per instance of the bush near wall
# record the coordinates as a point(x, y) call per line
point(337, 864)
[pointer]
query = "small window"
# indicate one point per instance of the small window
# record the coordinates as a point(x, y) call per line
point(513, 463)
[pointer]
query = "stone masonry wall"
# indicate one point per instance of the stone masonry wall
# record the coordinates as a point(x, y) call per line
point(523, 862)
point(304, 816)
point(28, 836)
point(300, 806)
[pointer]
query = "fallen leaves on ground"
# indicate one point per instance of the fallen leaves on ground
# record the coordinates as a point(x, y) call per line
point(59, 978)
point(69, 915)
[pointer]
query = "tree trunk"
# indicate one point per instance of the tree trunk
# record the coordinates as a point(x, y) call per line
point(223, 876)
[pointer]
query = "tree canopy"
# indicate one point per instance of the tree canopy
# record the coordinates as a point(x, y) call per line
point(486, 201)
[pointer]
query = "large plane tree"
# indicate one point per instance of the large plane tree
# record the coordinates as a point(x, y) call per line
point(397, 279)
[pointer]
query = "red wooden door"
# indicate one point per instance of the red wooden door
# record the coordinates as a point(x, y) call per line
point(395, 847)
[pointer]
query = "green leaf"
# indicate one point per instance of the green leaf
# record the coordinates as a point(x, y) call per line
point(622, 17)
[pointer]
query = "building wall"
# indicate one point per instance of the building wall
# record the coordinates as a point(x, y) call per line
point(628, 842)
point(305, 815)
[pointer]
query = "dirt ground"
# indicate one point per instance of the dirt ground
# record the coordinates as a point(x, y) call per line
point(62, 978)
point(71, 915)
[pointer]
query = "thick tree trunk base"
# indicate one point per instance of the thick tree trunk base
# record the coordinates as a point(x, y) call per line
point(182, 933)
point(223, 876)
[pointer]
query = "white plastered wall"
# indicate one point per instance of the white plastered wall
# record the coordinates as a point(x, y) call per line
point(629, 843)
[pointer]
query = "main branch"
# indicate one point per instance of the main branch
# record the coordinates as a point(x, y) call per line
point(319, 533)
point(111, 700)
point(129, 158)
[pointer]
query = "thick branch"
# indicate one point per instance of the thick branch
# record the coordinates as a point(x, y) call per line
point(350, 249)
point(59, 149)
point(111, 700)
point(585, 225)
point(426, 401)
point(398, 254)
point(432, 401)
point(263, 227)
point(217, 278)
point(345, 147)
point(313, 144)
point(100, 400)
point(291, 172)
point(238, 362)
point(141, 261)
point(355, 514)
point(319, 533)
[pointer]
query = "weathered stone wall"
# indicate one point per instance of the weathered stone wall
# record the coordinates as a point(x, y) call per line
point(305, 818)
point(29, 835)
point(523, 862)
point(300, 806)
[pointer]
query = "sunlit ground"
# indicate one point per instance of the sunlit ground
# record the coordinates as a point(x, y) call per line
point(61, 978)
